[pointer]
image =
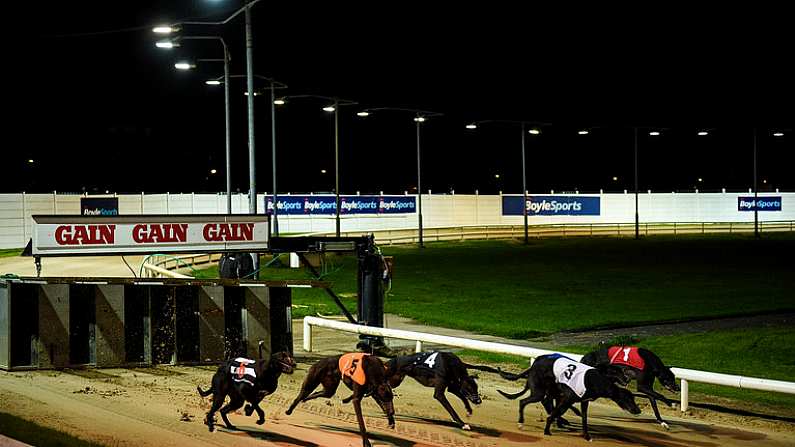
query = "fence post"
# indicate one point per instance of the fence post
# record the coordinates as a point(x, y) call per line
point(685, 390)
point(307, 336)
point(418, 346)
point(24, 227)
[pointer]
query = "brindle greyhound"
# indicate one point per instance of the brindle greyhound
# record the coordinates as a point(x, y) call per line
point(348, 368)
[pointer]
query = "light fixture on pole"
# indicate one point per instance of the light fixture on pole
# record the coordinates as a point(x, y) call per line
point(246, 9)
point(420, 116)
point(532, 131)
point(184, 65)
point(331, 108)
point(272, 86)
point(187, 66)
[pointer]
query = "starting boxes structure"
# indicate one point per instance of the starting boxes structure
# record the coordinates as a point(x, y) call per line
point(55, 322)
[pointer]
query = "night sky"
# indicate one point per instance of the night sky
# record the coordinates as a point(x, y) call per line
point(97, 107)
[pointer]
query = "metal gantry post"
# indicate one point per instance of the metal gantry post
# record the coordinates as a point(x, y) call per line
point(252, 169)
point(419, 188)
point(637, 219)
point(337, 163)
point(228, 142)
point(756, 196)
point(524, 186)
point(273, 159)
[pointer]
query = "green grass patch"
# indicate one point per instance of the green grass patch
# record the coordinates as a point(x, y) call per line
point(492, 358)
point(34, 434)
point(8, 252)
point(520, 291)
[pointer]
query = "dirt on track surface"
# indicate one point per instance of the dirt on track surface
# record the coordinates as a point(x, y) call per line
point(159, 406)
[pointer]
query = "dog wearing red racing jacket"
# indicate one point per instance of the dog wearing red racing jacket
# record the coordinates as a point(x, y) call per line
point(639, 364)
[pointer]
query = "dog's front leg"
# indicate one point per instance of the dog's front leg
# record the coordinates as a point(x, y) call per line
point(463, 398)
point(357, 406)
point(438, 394)
point(564, 403)
point(260, 413)
point(584, 411)
point(235, 403)
point(549, 406)
point(652, 395)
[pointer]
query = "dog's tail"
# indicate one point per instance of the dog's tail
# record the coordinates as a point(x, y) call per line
point(204, 393)
point(483, 368)
point(515, 395)
point(260, 345)
point(513, 377)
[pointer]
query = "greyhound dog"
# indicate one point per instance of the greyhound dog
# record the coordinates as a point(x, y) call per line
point(569, 382)
point(440, 371)
point(639, 364)
point(364, 374)
point(245, 380)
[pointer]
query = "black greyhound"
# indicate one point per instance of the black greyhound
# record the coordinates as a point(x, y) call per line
point(568, 382)
point(363, 374)
point(440, 371)
point(245, 380)
point(639, 364)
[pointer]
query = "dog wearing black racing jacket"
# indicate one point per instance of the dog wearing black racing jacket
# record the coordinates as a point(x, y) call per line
point(245, 380)
point(442, 371)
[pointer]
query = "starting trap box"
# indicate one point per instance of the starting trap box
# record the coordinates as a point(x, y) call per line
point(105, 322)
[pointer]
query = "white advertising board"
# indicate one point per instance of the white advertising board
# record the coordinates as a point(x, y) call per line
point(82, 235)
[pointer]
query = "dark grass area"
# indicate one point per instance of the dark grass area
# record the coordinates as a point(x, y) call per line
point(34, 434)
point(569, 284)
point(513, 290)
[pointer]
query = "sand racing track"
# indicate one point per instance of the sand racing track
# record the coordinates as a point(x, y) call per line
point(159, 406)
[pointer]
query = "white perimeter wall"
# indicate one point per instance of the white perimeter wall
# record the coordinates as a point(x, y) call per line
point(437, 210)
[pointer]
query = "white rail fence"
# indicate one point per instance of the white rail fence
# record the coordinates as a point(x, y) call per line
point(158, 266)
point(685, 375)
point(494, 232)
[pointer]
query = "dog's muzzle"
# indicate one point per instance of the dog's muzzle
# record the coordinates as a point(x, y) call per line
point(474, 398)
point(287, 368)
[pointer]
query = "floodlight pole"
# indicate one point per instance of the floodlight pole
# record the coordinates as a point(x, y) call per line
point(756, 196)
point(524, 187)
point(637, 219)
